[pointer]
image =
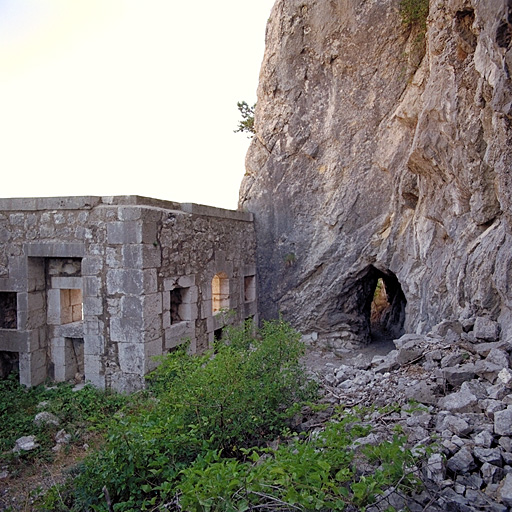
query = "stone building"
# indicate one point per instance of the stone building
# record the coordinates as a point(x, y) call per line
point(98, 286)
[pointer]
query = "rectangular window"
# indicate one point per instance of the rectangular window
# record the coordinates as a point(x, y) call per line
point(250, 288)
point(8, 310)
point(180, 305)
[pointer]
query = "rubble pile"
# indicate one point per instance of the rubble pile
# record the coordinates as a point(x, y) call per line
point(452, 391)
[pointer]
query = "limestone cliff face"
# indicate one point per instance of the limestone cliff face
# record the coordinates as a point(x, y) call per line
point(380, 155)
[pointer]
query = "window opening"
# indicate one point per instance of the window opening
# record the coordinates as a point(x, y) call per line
point(217, 334)
point(176, 301)
point(180, 305)
point(71, 306)
point(249, 288)
point(75, 358)
point(9, 363)
point(220, 292)
point(8, 310)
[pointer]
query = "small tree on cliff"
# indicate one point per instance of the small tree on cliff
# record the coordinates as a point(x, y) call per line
point(247, 122)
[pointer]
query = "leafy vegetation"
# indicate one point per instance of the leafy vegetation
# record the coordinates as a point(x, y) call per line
point(414, 13)
point(213, 433)
point(323, 473)
point(228, 401)
point(78, 410)
point(246, 125)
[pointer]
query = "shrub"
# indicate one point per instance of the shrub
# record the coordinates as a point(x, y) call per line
point(324, 473)
point(223, 402)
point(414, 12)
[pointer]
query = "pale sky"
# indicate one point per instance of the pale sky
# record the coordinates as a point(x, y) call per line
point(118, 97)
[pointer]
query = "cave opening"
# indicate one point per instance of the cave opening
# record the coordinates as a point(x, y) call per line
point(382, 305)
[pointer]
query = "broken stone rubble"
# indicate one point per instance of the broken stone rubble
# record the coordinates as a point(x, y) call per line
point(463, 396)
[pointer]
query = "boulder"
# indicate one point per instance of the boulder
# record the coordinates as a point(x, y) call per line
point(503, 422)
point(46, 418)
point(505, 490)
point(25, 444)
point(486, 329)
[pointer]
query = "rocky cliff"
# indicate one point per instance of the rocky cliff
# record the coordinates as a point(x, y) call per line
point(384, 153)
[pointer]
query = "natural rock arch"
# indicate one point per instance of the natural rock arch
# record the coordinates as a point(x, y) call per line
point(371, 305)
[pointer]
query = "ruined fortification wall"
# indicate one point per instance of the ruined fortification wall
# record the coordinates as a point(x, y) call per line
point(99, 286)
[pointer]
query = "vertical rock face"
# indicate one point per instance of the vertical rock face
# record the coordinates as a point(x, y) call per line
point(379, 154)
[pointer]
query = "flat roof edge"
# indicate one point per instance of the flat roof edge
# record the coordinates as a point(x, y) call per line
point(89, 202)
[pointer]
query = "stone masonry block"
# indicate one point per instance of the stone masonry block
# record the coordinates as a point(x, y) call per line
point(122, 281)
point(129, 213)
point(92, 266)
point(93, 326)
point(187, 281)
point(55, 250)
point(53, 307)
point(91, 286)
point(94, 371)
point(152, 256)
point(193, 295)
point(124, 330)
point(14, 341)
point(166, 301)
point(94, 345)
point(67, 283)
point(120, 233)
point(93, 306)
point(132, 310)
point(193, 311)
point(149, 232)
point(152, 349)
point(117, 332)
point(18, 269)
point(206, 309)
point(131, 357)
point(132, 256)
point(150, 281)
point(152, 306)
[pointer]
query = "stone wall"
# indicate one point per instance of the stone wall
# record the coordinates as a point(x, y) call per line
point(101, 285)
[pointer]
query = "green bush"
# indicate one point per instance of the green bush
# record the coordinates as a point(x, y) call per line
point(414, 12)
point(324, 473)
point(224, 402)
point(88, 407)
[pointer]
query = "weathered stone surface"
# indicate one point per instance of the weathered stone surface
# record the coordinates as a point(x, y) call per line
point(25, 444)
point(455, 376)
point(46, 418)
point(462, 401)
point(503, 422)
point(373, 160)
point(486, 329)
point(505, 492)
point(461, 462)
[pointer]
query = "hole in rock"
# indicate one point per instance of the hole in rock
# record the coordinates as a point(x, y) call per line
point(384, 305)
point(374, 306)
